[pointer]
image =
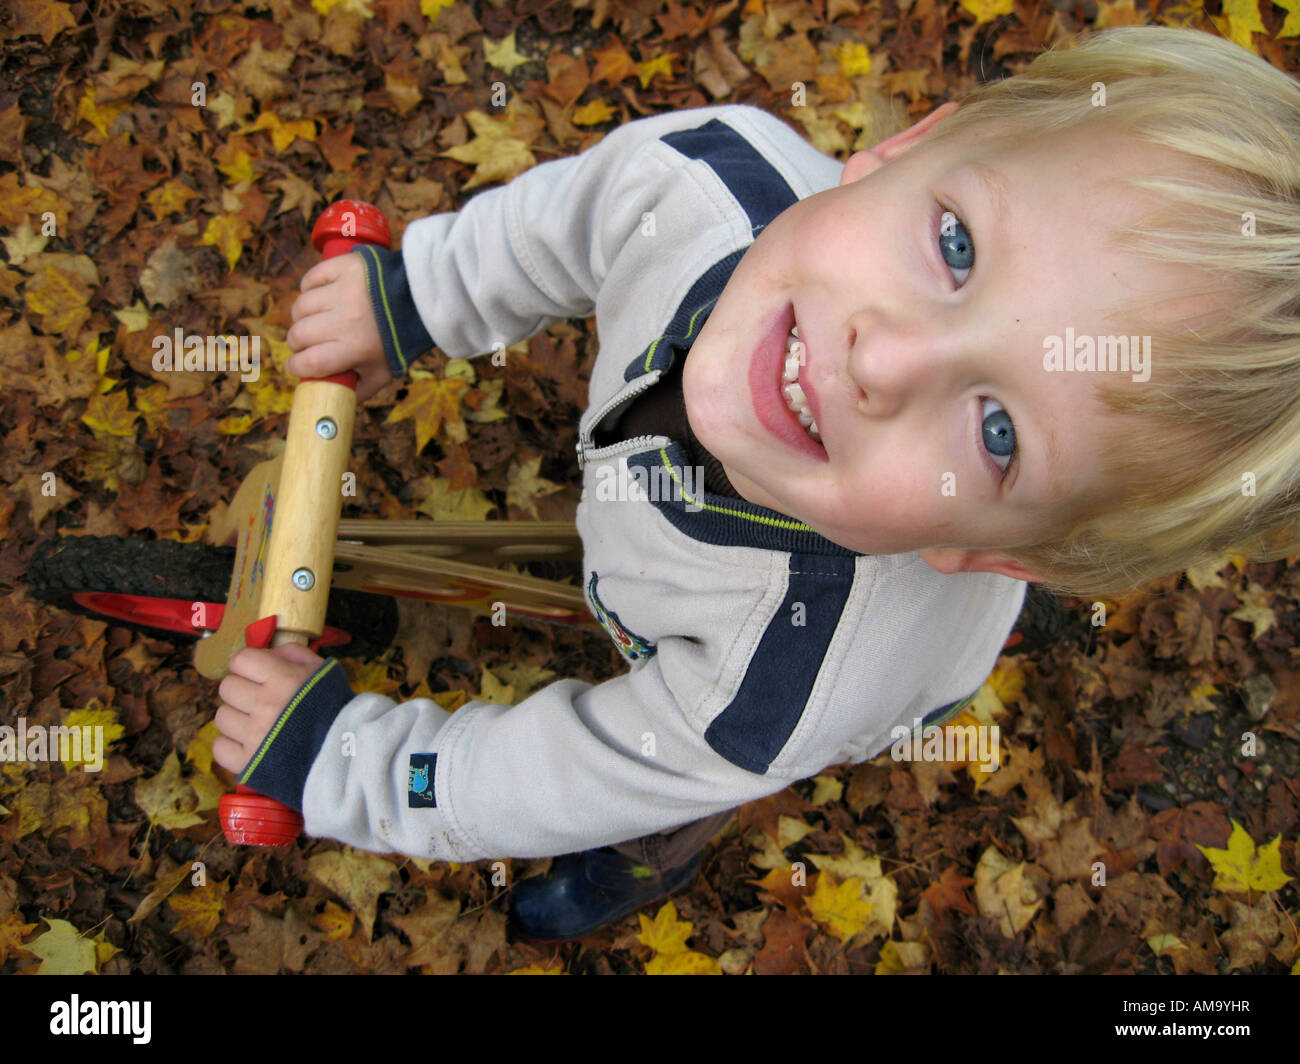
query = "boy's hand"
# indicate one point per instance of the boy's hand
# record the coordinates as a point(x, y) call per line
point(254, 694)
point(334, 327)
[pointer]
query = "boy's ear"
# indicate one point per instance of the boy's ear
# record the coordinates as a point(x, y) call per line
point(871, 159)
point(954, 560)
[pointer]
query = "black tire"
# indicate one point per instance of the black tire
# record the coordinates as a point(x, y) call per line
point(200, 572)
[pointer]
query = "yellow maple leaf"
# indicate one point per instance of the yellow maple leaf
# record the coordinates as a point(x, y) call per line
point(357, 877)
point(898, 958)
point(879, 889)
point(83, 809)
point(370, 675)
point(987, 10)
point(448, 700)
point(169, 197)
point(496, 153)
point(1291, 27)
point(592, 114)
point(167, 799)
point(47, 19)
point(99, 356)
point(24, 243)
point(236, 425)
point(199, 752)
point(60, 293)
point(335, 921)
point(227, 233)
point(660, 64)
point(208, 789)
point(684, 962)
point(432, 403)
point(109, 415)
point(431, 9)
point(665, 933)
point(1256, 608)
point(136, 317)
point(502, 54)
point(853, 58)
point(493, 690)
point(99, 117)
point(489, 398)
point(525, 679)
point(1240, 19)
point(265, 396)
point(200, 910)
point(63, 950)
point(1003, 894)
point(1241, 867)
point(236, 164)
point(152, 405)
point(104, 719)
point(356, 7)
point(282, 133)
point(840, 908)
point(827, 790)
point(442, 502)
point(524, 487)
point(1007, 683)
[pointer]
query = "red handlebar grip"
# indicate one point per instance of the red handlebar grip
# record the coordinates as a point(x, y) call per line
point(252, 819)
point(346, 224)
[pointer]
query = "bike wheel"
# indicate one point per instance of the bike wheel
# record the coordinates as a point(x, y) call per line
point(151, 585)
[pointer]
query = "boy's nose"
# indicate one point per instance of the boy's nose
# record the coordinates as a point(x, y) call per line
point(891, 363)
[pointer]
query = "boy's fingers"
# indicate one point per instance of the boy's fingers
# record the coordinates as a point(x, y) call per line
point(229, 754)
point(322, 273)
point(297, 654)
point(233, 724)
point(238, 689)
point(251, 664)
point(312, 301)
point(322, 359)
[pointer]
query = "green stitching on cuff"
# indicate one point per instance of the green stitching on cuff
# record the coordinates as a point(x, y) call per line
point(383, 298)
point(284, 718)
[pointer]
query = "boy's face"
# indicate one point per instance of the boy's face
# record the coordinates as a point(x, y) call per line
point(910, 358)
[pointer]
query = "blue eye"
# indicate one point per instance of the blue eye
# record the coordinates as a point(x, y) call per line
point(956, 245)
point(999, 434)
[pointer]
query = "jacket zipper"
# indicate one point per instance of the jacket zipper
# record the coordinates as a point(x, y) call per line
point(588, 451)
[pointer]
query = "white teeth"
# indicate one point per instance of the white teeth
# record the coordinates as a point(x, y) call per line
point(795, 398)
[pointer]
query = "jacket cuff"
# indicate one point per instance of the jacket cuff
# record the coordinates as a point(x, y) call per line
point(404, 335)
point(282, 763)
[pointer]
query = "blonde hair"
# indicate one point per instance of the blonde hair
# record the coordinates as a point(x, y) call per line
point(1221, 412)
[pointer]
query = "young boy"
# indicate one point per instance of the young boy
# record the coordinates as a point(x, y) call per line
point(855, 355)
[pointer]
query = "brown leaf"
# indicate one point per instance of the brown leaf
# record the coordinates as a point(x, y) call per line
point(948, 892)
point(271, 946)
point(783, 951)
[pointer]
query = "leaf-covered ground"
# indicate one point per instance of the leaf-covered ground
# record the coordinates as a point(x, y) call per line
point(160, 167)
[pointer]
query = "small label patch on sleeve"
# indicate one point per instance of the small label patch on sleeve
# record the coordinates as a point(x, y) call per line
point(419, 786)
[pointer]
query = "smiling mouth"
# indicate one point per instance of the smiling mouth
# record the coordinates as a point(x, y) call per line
point(795, 399)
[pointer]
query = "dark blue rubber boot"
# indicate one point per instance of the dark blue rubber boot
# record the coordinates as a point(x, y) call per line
point(585, 891)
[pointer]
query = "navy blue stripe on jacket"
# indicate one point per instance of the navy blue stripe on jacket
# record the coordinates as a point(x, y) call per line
point(759, 721)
